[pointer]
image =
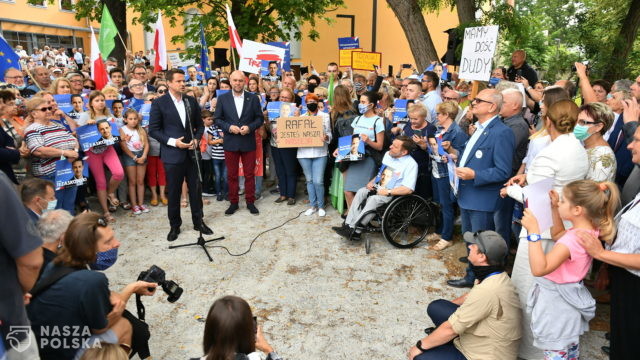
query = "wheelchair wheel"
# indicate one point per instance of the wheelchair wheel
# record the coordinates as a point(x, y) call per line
point(407, 220)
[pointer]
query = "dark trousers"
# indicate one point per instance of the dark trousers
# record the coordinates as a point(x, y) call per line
point(503, 218)
point(207, 176)
point(232, 160)
point(176, 174)
point(625, 314)
point(439, 311)
point(474, 220)
point(286, 168)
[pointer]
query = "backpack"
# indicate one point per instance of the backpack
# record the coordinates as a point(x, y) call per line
point(377, 155)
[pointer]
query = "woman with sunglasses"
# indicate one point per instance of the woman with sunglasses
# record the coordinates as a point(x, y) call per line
point(593, 121)
point(81, 299)
point(100, 156)
point(49, 142)
point(88, 85)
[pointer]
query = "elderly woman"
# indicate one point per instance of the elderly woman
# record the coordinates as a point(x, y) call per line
point(49, 142)
point(81, 298)
point(418, 129)
point(564, 160)
point(594, 120)
point(453, 142)
point(314, 159)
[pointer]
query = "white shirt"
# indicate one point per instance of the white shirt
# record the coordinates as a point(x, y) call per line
point(318, 151)
point(473, 140)
point(628, 221)
point(239, 100)
point(613, 125)
point(78, 57)
point(179, 104)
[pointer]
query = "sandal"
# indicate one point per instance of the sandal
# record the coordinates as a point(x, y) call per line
point(184, 203)
point(125, 205)
point(154, 202)
point(164, 201)
point(110, 219)
point(112, 199)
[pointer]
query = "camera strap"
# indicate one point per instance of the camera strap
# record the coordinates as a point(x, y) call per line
point(140, 307)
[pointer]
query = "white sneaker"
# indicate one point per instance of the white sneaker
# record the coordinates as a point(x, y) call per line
point(204, 194)
point(321, 212)
point(310, 211)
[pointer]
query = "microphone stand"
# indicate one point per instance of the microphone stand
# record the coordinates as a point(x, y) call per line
point(200, 241)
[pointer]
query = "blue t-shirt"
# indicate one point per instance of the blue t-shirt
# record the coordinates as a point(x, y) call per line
point(365, 125)
point(66, 312)
point(396, 172)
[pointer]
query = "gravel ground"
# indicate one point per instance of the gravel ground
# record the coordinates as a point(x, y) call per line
point(316, 295)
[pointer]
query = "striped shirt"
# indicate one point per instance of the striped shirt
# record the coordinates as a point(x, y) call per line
point(217, 151)
point(50, 135)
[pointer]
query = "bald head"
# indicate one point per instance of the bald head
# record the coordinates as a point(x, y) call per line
point(511, 102)
point(289, 82)
point(237, 82)
point(518, 58)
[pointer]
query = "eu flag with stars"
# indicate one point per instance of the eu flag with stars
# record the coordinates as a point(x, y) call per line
point(8, 58)
point(204, 55)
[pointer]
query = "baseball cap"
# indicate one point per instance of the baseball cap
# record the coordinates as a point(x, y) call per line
point(489, 243)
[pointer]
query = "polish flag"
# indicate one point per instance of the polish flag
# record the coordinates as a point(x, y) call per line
point(98, 69)
point(234, 37)
point(160, 46)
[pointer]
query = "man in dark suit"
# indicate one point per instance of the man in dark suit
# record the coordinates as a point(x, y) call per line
point(37, 196)
point(484, 166)
point(238, 113)
point(175, 121)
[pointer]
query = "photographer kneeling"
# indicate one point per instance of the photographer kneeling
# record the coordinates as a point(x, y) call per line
point(397, 176)
point(231, 332)
point(72, 308)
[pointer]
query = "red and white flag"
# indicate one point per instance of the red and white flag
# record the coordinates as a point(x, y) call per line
point(160, 46)
point(234, 37)
point(98, 69)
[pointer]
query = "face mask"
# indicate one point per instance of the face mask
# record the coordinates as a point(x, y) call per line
point(363, 108)
point(581, 132)
point(51, 205)
point(110, 67)
point(463, 94)
point(105, 259)
point(481, 272)
point(358, 86)
point(313, 107)
point(20, 87)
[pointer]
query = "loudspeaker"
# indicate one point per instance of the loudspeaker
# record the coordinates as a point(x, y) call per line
point(452, 44)
point(220, 57)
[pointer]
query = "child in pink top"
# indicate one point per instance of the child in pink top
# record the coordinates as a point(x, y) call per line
point(560, 297)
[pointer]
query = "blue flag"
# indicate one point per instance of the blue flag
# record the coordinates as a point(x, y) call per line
point(204, 55)
point(8, 58)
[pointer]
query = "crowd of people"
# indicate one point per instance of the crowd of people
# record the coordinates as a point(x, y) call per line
point(472, 148)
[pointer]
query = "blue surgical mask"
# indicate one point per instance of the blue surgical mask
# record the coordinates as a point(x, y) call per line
point(51, 205)
point(105, 259)
point(363, 108)
point(463, 94)
point(581, 132)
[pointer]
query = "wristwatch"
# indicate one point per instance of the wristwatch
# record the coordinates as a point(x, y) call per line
point(388, 192)
point(419, 346)
point(534, 237)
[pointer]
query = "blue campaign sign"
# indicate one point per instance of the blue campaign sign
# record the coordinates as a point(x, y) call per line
point(70, 174)
point(348, 43)
point(144, 111)
point(350, 148)
point(89, 136)
point(64, 102)
point(109, 104)
point(273, 110)
point(220, 92)
point(400, 110)
point(286, 63)
point(135, 104)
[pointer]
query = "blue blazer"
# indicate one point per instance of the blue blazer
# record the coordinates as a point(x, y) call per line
point(491, 158)
point(227, 115)
point(618, 144)
point(165, 123)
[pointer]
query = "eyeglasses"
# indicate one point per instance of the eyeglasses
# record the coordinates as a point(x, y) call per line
point(478, 100)
point(13, 77)
point(45, 109)
point(76, 81)
point(446, 98)
point(89, 87)
point(586, 123)
point(137, 85)
point(140, 73)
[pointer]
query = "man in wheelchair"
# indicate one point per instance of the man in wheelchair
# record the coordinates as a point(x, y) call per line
point(396, 177)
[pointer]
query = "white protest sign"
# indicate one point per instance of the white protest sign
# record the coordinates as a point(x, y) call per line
point(477, 52)
point(253, 53)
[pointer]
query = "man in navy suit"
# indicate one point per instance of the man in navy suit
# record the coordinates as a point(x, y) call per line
point(239, 115)
point(483, 167)
point(175, 121)
point(616, 138)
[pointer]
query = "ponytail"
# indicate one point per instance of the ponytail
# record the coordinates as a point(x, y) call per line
point(600, 202)
point(607, 223)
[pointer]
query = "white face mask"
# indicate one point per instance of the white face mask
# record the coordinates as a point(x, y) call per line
point(51, 205)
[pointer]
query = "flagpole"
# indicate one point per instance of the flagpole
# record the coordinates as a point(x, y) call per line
point(233, 57)
point(32, 78)
point(123, 44)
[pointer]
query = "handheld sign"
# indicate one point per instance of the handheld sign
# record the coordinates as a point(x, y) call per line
point(345, 56)
point(477, 52)
point(350, 148)
point(386, 178)
point(89, 136)
point(145, 109)
point(435, 147)
point(64, 102)
point(300, 131)
point(348, 43)
point(400, 110)
point(286, 63)
point(361, 60)
point(135, 104)
point(220, 92)
point(253, 53)
point(70, 174)
point(273, 110)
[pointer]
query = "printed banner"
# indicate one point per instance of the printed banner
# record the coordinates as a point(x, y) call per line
point(400, 110)
point(64, 102)
point(253, 53)
point(362, 60)
point(300, 131)
point(70, 174)
point(145, 109)
point(345, 56)
point(92, 135)
point(478, 49)
point(348, 43)
point(350, 148)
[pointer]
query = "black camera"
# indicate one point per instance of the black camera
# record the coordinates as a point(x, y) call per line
point(157, 275)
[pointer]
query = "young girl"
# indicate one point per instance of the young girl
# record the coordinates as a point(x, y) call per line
point(135, 148)
point(559, 303)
